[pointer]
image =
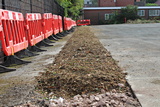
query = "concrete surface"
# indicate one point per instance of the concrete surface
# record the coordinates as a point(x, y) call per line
point(137, 48)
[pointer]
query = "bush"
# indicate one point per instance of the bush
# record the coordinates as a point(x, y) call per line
point(151, 4)
point(138, 21)
point(129, 12)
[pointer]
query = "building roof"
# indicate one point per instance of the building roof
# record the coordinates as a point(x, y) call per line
point(158, 2)
point(117, 8)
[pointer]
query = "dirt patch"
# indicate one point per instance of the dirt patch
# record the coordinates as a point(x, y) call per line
point(84, 67)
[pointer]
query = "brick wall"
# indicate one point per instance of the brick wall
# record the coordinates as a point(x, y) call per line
point(38, 6)
point(96, 16)
point(0, 4)
point(12, 5)
point(25, 6)
point(108, 3)
point(124, 2)
point(113, 3)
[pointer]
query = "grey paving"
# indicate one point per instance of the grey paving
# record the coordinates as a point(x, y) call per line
point(137, 48)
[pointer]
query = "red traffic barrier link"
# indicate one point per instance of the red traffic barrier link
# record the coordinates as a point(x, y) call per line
point(67, 23)
point(55, 24)
point(70, 23)
point(47, 24)
point(12, 32)
point(83, 22)
point(73, 23)
point(34, 28)
point(60, 23)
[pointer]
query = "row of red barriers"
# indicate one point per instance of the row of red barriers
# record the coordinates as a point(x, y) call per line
point(84, 22)
point(18, 33)
point(69, 23)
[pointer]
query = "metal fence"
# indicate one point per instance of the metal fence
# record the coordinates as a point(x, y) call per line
point(32, 6)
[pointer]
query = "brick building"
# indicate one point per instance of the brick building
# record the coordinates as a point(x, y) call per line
point(100, 14)
point(114, 3)
point(105, 8)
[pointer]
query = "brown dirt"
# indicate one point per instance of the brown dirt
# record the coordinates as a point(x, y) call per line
point(83, 66)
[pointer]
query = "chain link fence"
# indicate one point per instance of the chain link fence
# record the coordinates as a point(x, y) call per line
point(32, 6)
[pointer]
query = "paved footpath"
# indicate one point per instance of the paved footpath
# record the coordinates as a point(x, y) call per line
point(137, 48)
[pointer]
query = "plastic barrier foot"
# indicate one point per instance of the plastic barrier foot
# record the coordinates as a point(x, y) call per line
point(72, 30)
point(5, 69)
point(67, 32)
point(63, 33)
point(57, 37)
point(14, 60)
point(43, 43)
point(25, 53)
point(36, 49)
point(52, 38)
point(60, 35)
point(48, 41)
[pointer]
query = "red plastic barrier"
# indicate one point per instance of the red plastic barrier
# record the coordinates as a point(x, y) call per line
point(34, 28)
point(55, 24)
point(67, 23)
point(60, 23)
point(83, 22)
point(47, 24)
point(12, 32)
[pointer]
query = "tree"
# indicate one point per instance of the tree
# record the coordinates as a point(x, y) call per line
point(129, 13)
point(72, 8)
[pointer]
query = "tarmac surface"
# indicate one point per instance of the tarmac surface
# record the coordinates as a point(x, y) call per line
point(136, 47)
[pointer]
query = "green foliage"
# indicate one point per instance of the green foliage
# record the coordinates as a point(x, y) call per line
point(72, 7)
point(151, 4)
point(140, 21)
point(129, 13)
point(151, 1)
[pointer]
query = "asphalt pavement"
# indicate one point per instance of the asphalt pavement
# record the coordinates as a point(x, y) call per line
point(136, 47)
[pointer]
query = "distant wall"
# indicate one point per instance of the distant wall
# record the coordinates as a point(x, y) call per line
point(32, 6)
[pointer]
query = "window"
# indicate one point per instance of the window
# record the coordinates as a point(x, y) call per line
point(90, 2)
point(108, 16)
point(153, 12)
point(87, 2)
point(141, 12)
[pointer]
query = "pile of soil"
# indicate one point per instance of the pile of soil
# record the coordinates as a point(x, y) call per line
point(83, 66)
